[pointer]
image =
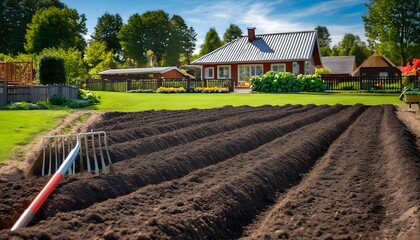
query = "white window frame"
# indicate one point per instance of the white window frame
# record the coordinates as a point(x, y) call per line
point(250, 75)
point(206, 73)
point(383, 74)
point(278, 64)
point(297, 69)
point(229, 72)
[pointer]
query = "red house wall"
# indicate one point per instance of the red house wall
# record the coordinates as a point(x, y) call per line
point(172, 74)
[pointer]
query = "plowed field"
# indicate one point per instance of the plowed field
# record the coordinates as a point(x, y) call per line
point(297, 172)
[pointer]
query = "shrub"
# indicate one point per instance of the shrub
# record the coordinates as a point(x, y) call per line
point(322, 71)
point(58, 100)
point(89, 96)
point(25, 106)
point(211, 89)
point(52, 70)
point(282, 82)
point(171, 90)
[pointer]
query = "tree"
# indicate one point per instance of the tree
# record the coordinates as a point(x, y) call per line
point(323, 36)
point(14, 18)
point(106, 31)
point(98, 57)
point(233, 32)
point(351, 45)
point(181, 41)
point(54, 27)
point(394, 26)
point(75, 67)
point(149, 31)
point(51, 70)
point(326, 51)
point(211, 42)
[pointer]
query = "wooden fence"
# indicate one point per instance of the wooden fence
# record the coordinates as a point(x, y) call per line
point(370, 84)
point(153, 84)
point(17, 73)
point(34, 94)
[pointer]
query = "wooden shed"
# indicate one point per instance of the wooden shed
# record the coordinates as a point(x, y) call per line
point(377, 66)
point(143, 73)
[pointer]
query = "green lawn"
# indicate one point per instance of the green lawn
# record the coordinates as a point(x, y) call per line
point(19, 127)
point(118, 101)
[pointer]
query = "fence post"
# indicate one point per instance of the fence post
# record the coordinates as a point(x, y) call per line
point(232, 85)
point(204, 82)
point(102, 84)
point(159, 83)
point(3, 93)
point(188, 84)
point(360, 83)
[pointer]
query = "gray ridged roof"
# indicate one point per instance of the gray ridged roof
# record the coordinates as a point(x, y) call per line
point(339, 64)
point(267, 47)
point(138, 70)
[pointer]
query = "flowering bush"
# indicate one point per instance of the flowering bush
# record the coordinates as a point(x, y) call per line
point(211, 89)
point(171, 90)
point(411, 69)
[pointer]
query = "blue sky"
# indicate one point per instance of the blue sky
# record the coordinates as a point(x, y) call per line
point(339, 16)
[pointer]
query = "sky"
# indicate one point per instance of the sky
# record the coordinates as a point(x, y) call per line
point(276, 16)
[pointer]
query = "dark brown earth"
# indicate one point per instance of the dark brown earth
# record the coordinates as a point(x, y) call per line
point(297, 172)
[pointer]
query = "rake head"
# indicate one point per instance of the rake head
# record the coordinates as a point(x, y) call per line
point(92, 156)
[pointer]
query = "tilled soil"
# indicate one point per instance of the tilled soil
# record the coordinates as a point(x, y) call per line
point(297, 172)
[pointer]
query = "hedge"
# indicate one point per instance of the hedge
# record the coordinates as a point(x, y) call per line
point(282, 82)
point(52, 70)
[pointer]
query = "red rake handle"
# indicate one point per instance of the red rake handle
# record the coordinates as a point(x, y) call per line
point(30, 212)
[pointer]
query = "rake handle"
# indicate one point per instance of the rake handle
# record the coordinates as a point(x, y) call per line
point(30, 212)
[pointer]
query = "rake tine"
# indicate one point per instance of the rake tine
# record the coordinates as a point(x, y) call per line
point(102, 155)
point(82, 165)
point(111, 167)
point(43, 157)
point(94, 155)
point(71, 147)
point(87, 154)
point(50, 165)
point(55, 149)
point(64, 148)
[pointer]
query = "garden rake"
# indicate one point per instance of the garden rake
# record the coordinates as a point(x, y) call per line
point(59, 155)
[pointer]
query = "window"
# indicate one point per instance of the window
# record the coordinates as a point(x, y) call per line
point(278, 67)
point(295, 68)
point(209, 73)
point(248, 71)
point(223, 72)
point(308, 67)
point(383, 74)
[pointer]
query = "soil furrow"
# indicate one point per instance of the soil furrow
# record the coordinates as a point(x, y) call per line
point(347, 195)
point(211, 203)
point(138, 131)
point(123, 151)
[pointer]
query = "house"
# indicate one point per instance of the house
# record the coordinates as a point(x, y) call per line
point(340, 66)
point(143, 73)
point(376, 66)
point(248, 56)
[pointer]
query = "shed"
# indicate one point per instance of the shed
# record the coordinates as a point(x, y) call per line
point(143, 73)
point(376, 66)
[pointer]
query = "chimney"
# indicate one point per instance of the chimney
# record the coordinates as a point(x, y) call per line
point(251, 34)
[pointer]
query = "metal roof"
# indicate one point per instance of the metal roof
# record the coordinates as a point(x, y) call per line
point(339, 64)
point(139, 71)
point(265, 47)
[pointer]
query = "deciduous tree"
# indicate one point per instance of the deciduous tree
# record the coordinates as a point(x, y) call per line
point(14, 18)
point(106, 31)
point(98, 57)
point(54, 27)
point(393, 28)
point(148, 31)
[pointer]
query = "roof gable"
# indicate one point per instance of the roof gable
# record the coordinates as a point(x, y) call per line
point(376, 60)
point(266, 47)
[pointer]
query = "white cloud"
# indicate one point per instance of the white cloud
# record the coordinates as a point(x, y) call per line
point(267, 18)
